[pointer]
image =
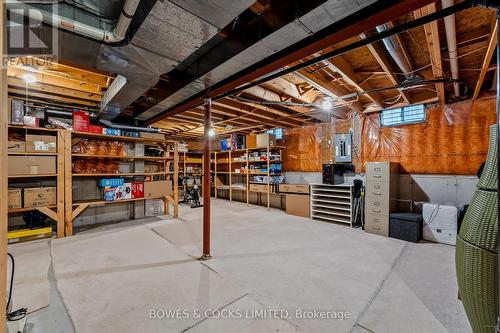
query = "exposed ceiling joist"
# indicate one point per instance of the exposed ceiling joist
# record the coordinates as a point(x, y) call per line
point(328, 89)
point(54, 80)
point(492, 44)
point(53, 90)
point(341, 66)
point(434, 46)
point(383, 60)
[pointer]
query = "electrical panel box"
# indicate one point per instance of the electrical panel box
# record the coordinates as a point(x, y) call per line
point(343, 148)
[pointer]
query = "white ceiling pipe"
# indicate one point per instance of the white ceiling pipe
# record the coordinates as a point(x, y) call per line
point(451, 40)
point(115, 36)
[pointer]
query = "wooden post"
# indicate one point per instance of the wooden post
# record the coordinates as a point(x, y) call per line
point(68, 185)
point(206, 181)
point(4, 180)
point(176, 179)
point(60, 184)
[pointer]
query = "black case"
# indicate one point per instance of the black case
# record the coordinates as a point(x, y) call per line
point(406, 226)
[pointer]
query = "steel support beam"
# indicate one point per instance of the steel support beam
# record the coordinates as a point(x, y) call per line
point(206, 180)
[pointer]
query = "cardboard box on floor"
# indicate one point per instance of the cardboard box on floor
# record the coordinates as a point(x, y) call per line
point(14, 199)
point(154, 136)
point(298, 205)
point(41, 143)
point(264, 138)
point(31, 165)
point(39, 197)
point(157, 189)
point(16, 146)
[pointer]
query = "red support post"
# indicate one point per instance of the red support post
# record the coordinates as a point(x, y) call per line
point(206, 180)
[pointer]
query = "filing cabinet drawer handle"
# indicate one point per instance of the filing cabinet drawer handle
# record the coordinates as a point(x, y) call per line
point(377, 176)
point(376, 169)
point(376, 210)
point(377, 193)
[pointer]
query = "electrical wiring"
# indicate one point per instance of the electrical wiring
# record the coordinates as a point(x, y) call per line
point(20, 313)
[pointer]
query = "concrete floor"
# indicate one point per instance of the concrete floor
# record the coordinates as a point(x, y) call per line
point(109, 279)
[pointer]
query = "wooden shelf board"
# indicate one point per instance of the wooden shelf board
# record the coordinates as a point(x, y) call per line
point(118, 138)
point(146, 158)
point(20, 127)
point(102, 202)
point(132, 174)
point(12, 153)
point(34, 176)
point(22, 210)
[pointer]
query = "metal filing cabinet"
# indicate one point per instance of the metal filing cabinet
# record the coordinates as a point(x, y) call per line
point(382, 187)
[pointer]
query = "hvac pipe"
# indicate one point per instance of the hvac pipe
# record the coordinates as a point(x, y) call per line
point(206, 179)
point(215, 91)
point(363, 42)
point(451, 41)
point(115, 36)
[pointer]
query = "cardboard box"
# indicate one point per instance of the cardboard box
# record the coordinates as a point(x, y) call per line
point(95, 129)
point(14, 198)
point(116, 193)
point(31, 165)
point(137, 190)
point(16, 112)
point(41, 143)
point(251, 141)
point(39, 196)
point(262, 188)
point(81, 121)
point(154, 136)
point(294, 188)
point(31, 121)
point(111, 182)
point(298, 205)
point(16, 146)
point(264, 138)
point(157, 188)
point(111, 131)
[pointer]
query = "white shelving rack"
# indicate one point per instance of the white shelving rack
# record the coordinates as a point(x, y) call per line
point(332, 203)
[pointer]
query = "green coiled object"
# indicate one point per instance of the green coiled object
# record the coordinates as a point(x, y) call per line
point(477, 249)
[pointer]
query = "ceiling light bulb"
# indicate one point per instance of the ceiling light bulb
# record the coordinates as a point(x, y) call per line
point(29, 78)
point(211, 132)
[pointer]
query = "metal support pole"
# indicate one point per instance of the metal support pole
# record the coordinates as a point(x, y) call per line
point(498, 151)
point(206, 181)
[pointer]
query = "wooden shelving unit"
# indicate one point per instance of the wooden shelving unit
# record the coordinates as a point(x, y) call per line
point(55, 212)
point(332, 203)
point(223, 163)
point(75, 208)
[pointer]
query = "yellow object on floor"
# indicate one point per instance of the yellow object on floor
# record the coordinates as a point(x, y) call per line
point(24, 235)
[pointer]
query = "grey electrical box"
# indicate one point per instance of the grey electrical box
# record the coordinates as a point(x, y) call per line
point(343, 148)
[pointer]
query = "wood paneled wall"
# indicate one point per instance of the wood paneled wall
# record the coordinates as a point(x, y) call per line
point(453, 140)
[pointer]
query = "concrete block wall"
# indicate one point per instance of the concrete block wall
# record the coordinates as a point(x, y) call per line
point(455, 190)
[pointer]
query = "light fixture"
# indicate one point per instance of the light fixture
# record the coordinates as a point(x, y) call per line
point(211, 132)
point(327, 104)
point(29, 78)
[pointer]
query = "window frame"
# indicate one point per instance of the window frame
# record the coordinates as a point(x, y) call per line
point(274, 130)
point(402, 116)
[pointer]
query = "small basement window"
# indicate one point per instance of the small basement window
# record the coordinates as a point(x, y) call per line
point(401, 116)
point(279, 132)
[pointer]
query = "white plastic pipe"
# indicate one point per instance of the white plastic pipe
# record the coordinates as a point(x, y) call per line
point(115, 36)
point(451, 40)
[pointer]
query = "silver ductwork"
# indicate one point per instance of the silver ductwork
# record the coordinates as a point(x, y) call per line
point(398, 52)
point(61, 22)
